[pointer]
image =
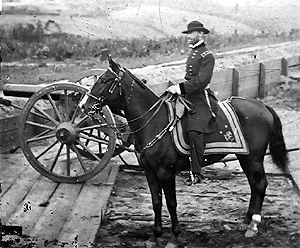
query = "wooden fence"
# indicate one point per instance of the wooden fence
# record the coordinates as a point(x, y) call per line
point(252, 80)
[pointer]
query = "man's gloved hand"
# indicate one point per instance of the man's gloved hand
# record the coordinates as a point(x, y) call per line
point(174, 89)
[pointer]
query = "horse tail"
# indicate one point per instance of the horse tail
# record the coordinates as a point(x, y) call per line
point(277, 146)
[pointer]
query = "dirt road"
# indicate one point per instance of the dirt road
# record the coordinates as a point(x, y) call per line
point(211, 213)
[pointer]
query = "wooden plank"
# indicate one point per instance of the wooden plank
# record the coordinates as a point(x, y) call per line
point(9, 133)
point(272, 77)
point(248, 82)
point(284, 67)
point(249, 92)
point(273, 65)
point(221, 76)
point(84, 220)
point(235, 82)
point(293, 61)
point(10, 170)
point(222, 90)
point(48, 226)
point(14, 196)
point(31, 208)
point(249, 70)
point(9, 124)
point(101, 178)
point(9, 140)
point(262, 81)
point(113, 174)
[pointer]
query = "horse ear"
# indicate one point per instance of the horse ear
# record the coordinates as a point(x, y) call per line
point(112, 64)
point(109, 59)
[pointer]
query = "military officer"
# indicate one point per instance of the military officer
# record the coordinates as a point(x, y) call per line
point(199, 69)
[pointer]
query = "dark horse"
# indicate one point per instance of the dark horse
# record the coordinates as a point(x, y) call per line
point(120, 89)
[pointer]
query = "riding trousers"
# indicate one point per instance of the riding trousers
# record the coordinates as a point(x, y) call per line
point(197, 144)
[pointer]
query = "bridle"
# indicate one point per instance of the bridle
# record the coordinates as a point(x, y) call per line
point(97, 106)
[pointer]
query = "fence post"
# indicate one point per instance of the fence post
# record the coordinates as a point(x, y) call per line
point(262, 81)
point(284, 67)
point(235, 82)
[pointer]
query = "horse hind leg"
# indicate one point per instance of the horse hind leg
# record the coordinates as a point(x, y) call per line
point(255, 173)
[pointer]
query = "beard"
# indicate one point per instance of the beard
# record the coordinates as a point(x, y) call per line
point(193, 41)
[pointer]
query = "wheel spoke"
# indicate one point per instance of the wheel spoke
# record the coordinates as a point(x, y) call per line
point(82, 120)
point(76, 109)
point(93, 138)
point(40, 125)
point(99, 144)
point(42, 133)
point(66, 102)
point(68, 161)
point(46, 150)
point(88, 141)
point(93, 127)
point(56, 157)
point(36, 114)
point(54, 107)
point(40, 138)
point(79, 157)
point(46, 115)
point(89, 150)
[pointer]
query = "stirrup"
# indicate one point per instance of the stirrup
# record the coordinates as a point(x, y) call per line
point(193, 179)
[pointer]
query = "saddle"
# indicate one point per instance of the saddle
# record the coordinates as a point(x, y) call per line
point(228, 138)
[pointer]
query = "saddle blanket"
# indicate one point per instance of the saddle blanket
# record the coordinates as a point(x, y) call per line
point(228, 138)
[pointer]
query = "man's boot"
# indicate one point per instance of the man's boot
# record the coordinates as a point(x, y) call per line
point(196, 142)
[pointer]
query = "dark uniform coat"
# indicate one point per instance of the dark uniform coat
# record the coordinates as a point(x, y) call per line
point(199, 69)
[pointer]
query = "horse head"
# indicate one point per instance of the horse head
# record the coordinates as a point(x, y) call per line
point(107, 90)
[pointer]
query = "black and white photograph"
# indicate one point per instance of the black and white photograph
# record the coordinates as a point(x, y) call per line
point(150, 123)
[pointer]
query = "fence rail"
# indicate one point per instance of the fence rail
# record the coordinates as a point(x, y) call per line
point(252, 80)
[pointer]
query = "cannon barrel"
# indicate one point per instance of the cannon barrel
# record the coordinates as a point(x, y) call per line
point(26, 90)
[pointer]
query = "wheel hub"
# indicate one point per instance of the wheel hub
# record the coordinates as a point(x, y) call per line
point(66, 133)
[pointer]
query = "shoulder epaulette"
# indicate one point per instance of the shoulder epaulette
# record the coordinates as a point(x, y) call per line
point(204, 54)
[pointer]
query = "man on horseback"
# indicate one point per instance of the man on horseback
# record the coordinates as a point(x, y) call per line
point(199, 69)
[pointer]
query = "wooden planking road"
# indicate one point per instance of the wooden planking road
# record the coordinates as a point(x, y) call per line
point(53, 214)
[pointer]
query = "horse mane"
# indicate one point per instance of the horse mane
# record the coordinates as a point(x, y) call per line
point(136, 79)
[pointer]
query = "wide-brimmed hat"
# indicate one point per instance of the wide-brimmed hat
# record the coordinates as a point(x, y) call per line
point(195, 26)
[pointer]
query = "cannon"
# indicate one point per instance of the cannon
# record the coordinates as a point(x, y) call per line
point(57, 138)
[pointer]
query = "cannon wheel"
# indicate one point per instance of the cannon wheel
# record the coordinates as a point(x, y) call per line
point(59, 141)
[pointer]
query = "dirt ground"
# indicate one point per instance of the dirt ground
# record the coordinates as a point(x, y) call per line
point(210, 213)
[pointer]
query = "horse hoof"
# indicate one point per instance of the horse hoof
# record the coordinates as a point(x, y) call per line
point(250, 233)
point(171, 245)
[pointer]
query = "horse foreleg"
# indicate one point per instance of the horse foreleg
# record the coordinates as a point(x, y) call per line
point(256, 176)
point(167, 179)
point(156, 195)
